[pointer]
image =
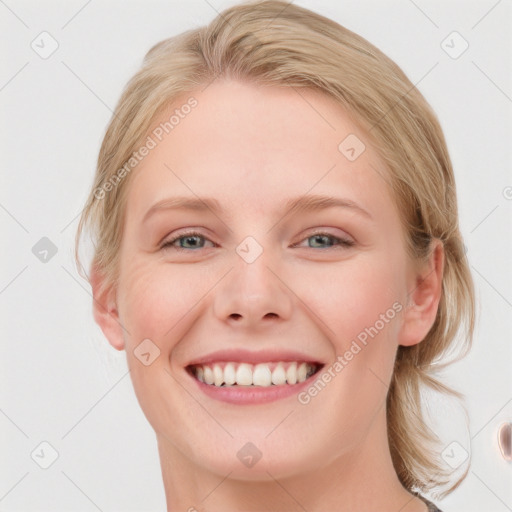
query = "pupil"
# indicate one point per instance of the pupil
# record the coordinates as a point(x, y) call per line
point(191, 240)
point(318, 238)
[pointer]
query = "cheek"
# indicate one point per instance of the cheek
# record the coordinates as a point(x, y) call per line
point(359, 302)
point(155, 300)
point(156, 297)
point(353, 295)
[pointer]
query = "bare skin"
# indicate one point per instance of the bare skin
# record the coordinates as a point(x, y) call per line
point(253, 148)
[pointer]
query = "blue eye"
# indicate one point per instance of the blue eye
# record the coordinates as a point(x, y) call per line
point(187, 238)
point(191, 238)
point(340, 242)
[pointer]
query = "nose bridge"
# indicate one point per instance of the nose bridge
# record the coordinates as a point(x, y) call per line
point(252, 291)
point(252, 270)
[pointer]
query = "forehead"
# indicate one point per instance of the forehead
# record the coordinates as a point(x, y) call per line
point(254, 146)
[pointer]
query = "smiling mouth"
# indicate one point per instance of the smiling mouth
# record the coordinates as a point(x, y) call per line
point(234, 374)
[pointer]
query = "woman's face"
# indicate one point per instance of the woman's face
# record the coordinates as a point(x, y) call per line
point(258, 282)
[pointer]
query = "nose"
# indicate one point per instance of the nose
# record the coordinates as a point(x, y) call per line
point(253, 294)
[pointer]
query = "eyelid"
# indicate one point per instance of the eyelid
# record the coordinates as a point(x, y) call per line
point(325, 231)
point(344, 241)
point(174, 238)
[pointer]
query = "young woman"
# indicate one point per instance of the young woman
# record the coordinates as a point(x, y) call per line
point(277, 250)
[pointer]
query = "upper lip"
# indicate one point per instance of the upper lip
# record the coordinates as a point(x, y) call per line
point(248, 356)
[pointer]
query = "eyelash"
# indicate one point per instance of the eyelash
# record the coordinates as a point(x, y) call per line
point(342, 243)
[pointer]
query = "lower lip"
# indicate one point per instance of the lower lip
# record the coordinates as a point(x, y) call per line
point(246, 395)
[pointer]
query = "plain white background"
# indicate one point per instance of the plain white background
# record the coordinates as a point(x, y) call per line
point(63, 384)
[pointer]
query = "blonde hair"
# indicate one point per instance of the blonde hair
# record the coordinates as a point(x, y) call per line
point(275, 43)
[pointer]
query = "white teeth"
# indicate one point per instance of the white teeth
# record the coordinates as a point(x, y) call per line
point(208, 375)
point(229, 374)
point(218, 375)
point(302, 372)
point(261, 376)
point(278, 375)
point(291, 374)
point(244, 374)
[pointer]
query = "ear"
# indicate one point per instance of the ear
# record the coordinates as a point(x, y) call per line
point(425, 289)
point(105, 308)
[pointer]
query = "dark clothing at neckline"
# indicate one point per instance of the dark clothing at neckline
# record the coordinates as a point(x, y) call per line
point(431, 506)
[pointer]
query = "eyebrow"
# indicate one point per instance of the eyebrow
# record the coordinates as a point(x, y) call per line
point(302, 204)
